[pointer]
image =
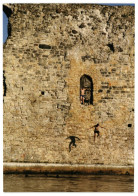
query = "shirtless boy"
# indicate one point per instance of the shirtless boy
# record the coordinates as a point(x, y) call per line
point(96, 130)
point(82, 96)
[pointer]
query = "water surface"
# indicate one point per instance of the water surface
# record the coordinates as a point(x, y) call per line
point(68, 183)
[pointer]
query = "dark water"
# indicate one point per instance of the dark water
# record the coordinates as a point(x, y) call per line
point(68, 183)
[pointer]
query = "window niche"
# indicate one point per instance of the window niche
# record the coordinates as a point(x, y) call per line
point(86, 90)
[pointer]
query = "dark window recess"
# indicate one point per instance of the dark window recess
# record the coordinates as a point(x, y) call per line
point(44, 46)
point(111, 46)
point(42, 92)
point(4, 84)
point(129, 125)
point(87, 84)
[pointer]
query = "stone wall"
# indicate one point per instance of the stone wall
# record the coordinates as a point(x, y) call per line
point(50, 47)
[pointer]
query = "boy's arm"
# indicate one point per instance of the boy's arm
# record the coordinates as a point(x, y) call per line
point(102, 127)
point(92, 127)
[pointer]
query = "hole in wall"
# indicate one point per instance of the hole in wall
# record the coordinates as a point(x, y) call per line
point(82, 25)
point(44, 46)
point(129, 125)
point(42, 92)
point(74, 32)
point(111, 46)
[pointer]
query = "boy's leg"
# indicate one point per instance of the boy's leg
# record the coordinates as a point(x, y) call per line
point(94, 135)
point(98, 133)
point(70, 146)
point(83, 100)
point(74, 145)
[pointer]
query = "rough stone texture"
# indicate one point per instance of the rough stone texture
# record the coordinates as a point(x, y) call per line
point(50, 47)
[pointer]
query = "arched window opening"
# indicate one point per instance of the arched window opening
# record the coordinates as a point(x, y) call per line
point(6, 24)
point(86, 90)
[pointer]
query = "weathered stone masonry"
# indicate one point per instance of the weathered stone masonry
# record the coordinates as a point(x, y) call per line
point(50, 48)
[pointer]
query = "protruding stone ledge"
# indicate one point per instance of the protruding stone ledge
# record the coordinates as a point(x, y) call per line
point(66, 169)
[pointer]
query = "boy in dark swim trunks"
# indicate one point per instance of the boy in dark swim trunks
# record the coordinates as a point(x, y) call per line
point(82, 96)
point(96, 130)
